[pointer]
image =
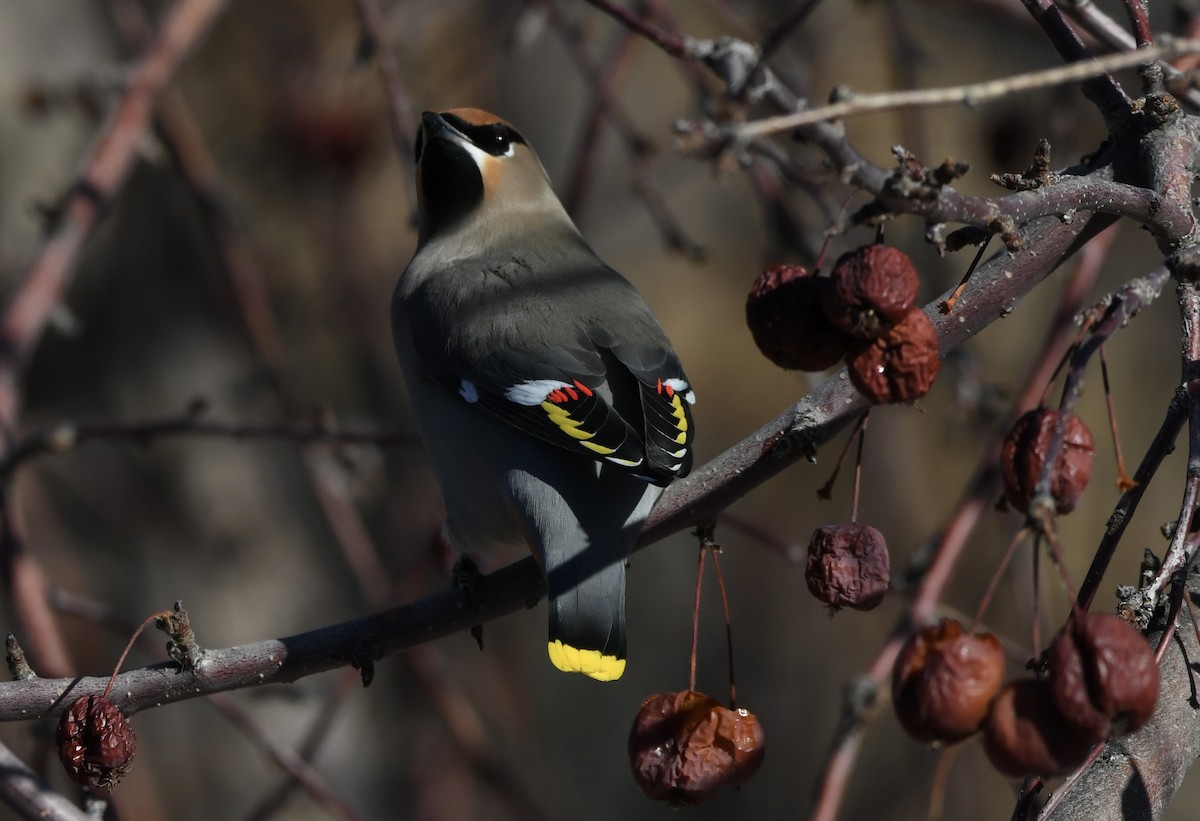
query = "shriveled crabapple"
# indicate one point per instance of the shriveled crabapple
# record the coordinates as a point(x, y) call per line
point(1103, 675)
point(1024, 733)
point(874, 287)
point(785, 317)
point(685, 746)
point(848, 566)
point(95, 742)
point(898, 366)
point(944, 680)
point(1023, 458)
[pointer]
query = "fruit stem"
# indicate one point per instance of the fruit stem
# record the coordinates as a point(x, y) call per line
point(1124, 480)
point(825, 492)
point(162, 614)
point(704, 533)
point(948, 304)
point(986, 601)
point(716, 550)
point(862, 436)
point(1060, 564)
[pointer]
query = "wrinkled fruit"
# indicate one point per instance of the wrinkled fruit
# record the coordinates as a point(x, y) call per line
point(873, 288)
point(784, 313)
point(944, 681)
point(1024, 456)
point(95, 742)
point(685, 746)
point(848, 566)
point(1024, 733)
point(1103, 676)
point(899, 366)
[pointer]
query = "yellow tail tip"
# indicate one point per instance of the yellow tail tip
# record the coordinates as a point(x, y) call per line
point(589, 662)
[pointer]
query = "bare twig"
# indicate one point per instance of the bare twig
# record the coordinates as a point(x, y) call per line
point(637, 147)
point(284, 756)
point(1103, 91)
point(70, 435)
point(1121, 307)
point(971, 95)
point(674, 44)
point(1179, 553)
point(399, 104)
point(268, 807)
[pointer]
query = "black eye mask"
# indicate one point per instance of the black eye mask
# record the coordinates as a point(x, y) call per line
point(494, 138)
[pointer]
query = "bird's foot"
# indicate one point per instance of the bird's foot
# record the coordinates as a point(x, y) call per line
point(465, 576)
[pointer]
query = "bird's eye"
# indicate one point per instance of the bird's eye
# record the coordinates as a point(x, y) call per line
point(501, 141)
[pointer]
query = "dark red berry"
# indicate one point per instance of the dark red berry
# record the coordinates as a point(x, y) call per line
point(1103, 675)
point(784, 313)
point(1024, 733)
point(898, 366)
point(944, 681)
point(848, 566)
point(685, 746)
point(873, 288)
point(1024, 457)
point(95, 742)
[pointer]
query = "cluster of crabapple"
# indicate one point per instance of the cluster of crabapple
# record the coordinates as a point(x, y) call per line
point(1099, 678)
point(865, 312)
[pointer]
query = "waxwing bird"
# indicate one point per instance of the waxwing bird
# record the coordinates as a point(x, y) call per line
point(550, 401)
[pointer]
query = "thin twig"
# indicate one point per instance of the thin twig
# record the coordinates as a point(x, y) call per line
point(1103, 91)
point(284, 756)
point(825, 492)
point(399, 105)
point(674, 44)
point(70, 435)
point(986, 599)
point(858, 460)
point(784, 28)
point(268, 806)
point(637, 147)
point(970, 95)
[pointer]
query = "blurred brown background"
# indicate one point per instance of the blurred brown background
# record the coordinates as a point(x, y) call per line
point(235, 530)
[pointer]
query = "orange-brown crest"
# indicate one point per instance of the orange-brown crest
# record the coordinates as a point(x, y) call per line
point(476, 116)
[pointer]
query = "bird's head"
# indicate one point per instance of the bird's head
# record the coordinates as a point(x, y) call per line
point(478, 181)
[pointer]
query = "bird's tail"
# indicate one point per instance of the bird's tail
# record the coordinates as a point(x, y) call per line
point(587, 611)
point(581, 522)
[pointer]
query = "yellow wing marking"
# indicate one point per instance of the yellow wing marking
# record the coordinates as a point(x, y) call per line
point(562, 418)
point(603, 451)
